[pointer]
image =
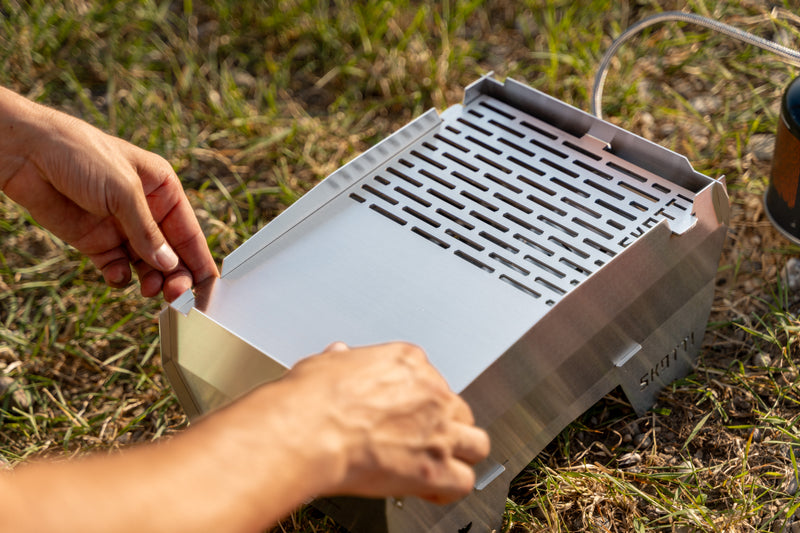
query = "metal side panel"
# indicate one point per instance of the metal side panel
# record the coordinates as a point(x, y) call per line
point(669, 353)
point(628, 146)
point(208, 365)
point(168, 324)
point(612, 330)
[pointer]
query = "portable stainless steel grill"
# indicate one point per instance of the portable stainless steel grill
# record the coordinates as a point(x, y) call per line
point(541, 257)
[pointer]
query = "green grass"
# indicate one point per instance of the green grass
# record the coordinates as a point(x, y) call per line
point(254, 102)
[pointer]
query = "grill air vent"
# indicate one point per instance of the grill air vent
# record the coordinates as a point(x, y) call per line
point(519, 199)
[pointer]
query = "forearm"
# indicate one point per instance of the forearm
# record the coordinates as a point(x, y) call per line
point(21, 125)
point(232, 472)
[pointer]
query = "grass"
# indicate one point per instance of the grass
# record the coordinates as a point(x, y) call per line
point(254, 102)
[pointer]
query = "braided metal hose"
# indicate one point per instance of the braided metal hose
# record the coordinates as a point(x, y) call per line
point(786, 54)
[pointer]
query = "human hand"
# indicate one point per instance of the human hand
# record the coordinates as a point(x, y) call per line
point(399, 429)
point(118, 204)
point(377, 421)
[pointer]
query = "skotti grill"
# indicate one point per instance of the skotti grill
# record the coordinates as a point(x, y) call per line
point(541, 257)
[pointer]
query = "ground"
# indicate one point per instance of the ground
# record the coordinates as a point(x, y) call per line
point(254, 104)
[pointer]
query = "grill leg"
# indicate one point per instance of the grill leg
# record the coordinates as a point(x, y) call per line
point(669, 353)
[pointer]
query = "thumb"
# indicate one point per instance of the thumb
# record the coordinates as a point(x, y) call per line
point(131, 210)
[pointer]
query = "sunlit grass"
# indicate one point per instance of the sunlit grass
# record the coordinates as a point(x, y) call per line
point(254, 102)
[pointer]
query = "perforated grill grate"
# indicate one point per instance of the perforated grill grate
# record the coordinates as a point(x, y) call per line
point(519, 198)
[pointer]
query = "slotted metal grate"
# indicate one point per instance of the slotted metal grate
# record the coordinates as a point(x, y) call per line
point(519, 198)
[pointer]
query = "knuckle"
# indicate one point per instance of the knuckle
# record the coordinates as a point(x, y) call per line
point(464, 411)
point(411, 352)
point(438, 451)
point(428, 472)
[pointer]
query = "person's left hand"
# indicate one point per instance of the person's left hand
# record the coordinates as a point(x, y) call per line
point(116, 203)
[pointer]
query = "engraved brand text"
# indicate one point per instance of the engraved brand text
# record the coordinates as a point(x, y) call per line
point(664, 363)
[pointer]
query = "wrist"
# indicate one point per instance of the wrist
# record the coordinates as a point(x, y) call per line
point(268, 452)
point(310, 436)
point(322, 438)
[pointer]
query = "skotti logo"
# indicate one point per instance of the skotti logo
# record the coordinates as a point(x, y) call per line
point(665, 362)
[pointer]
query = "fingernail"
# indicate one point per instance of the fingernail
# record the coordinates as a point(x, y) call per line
point(116, 277)
point(337, 346)
point(166, 258)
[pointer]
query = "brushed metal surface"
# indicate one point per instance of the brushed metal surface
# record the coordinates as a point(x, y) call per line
point(540, 256)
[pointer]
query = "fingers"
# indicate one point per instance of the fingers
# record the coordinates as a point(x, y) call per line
point(153, 281)
point(127, 203)
point(450, 475)
point(457, 481)
point(461, 410)
point(404, 431)
point(455, 477)
point(471, 444)
point(182, 230)
point(115, 266)
point(176, 283)
point(162, 229)
point(117, 273)
point(174, 214)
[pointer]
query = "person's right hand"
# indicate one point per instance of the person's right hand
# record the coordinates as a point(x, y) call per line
point(377, 421)
point(397, 427)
